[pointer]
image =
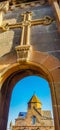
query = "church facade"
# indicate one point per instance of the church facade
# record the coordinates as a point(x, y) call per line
point(35, 118)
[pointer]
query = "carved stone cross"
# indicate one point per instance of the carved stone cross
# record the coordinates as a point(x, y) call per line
point(23, 48)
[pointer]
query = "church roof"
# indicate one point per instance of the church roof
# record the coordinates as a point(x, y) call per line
point(22, 114)
point(34, 99)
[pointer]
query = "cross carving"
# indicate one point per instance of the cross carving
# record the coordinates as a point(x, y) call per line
point(24, 45)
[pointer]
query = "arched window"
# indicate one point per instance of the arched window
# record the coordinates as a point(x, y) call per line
point(33, 120)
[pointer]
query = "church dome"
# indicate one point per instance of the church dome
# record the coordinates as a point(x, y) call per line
point(34, 99)
point(35, 102)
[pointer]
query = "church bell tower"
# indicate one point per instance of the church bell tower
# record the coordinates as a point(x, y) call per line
point(34, 103)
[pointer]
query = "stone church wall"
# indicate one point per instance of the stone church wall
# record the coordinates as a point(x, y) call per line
point(48, 36)
point(33, 128)
point(27, 121)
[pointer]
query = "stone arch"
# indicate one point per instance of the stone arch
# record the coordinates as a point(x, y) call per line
point(16, 72)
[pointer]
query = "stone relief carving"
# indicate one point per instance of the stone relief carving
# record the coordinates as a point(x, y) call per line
point(24, 47)
point(4, 6)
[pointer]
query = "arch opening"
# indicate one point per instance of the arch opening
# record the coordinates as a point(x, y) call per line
point(23, 91)
point(14, 78)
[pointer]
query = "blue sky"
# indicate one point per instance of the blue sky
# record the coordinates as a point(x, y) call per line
point(22, 93)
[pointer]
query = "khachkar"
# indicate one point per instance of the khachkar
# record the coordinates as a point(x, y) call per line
point(35, 118)
point(24, 46)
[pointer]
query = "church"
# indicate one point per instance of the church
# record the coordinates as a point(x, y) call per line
point(35, 118)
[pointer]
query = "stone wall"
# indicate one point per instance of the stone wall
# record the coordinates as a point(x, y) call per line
point(33, 128)
point(48, 36)
point(41, 120)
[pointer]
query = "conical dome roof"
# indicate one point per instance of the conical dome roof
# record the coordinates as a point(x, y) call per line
point(34, 99)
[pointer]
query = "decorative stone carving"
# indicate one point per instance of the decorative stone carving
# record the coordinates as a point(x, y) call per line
point(3, 9)
point(25, 3)
point(4, 27)
point(4, 6)
point(23, 48)
point(22, 52)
